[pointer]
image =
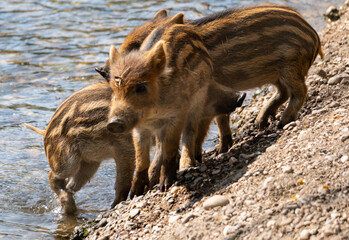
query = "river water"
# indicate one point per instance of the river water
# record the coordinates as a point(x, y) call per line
point(48, 50)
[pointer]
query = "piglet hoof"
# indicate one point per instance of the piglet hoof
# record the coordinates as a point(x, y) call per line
point(198, 157)
point(139, 182)
point(285, 121)
point(167, 178)
point(225, 144)
point(68, 203)
point(153, 179)
point(262, 124)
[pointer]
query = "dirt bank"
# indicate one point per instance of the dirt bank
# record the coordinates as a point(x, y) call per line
point(272, 184)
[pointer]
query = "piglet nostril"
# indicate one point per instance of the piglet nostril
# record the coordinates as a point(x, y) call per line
point(116, 125)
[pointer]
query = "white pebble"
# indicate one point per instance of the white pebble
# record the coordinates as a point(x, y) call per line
point(215, 201)
point(270, 223)
point(267, 181)
point(344, 158)
point(134, 212)
point(228, 230)
point(173, 219)
point(287, 169)
point(302, 135)
point(305, 234)
point(187, 217)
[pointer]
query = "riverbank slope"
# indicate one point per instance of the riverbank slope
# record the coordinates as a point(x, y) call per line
point(272, 184)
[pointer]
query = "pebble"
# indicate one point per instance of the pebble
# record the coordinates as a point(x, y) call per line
point(203, 168)
point(338, 78)
point(323, 189)
point(302, 135)
point(287, 169)
point(322, 73)
point(267, 182)
point(215, 201)
point(174, 189)
point(102, 223)
point(344, 158)
point(225, 155)
point(233, 160)
point(270, 223)
point(187, 217)
point(305, 234)
point(289, 126)
point(247, 156)
point(173, 219)
point(134, 212)
point(344, 137)
point(229, 230)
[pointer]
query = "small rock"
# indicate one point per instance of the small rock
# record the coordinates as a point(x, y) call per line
point(332, 13)
point(102, 223)
point(289, 126)
point(187, 176)
point(233, 160)
point(334, 104)
point(187, 217)
point(302, 135)
point(203, 168)
point(267, 182)
point(174, 189)
point(229, 230)
point(215, 172)
point(225, 155)
point(99, 218)
point(322, 73)
point(323, 189)
point(173, 219)
point(344, 158)
point(270, 223)
point(327, 230)
point(215, 201)
point(134, 212)
point(305, 234)
point(344, 137)
point(287, 169)
point(246, 156)
point(285, 221)
point(338, 78)
point(269, 212)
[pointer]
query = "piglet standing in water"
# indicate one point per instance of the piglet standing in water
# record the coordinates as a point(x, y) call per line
point(76, 141)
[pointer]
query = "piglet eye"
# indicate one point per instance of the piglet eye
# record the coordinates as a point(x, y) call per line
point(117, 80)
point(140, 88)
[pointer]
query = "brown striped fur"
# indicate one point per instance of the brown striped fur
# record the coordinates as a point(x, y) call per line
point(76, 141)
point(161, 90)
point(251, 47)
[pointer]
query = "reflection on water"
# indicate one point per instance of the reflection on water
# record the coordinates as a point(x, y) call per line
point(49, 50)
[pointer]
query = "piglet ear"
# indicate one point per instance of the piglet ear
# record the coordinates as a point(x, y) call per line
point(161, 14)
point(177, 19)
point(104, 70)
point(113, 54)
point(157, 57)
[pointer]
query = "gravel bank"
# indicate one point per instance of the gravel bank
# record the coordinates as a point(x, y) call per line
point(272, 184)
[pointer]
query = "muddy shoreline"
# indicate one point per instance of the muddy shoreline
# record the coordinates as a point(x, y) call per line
point(272, 184)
